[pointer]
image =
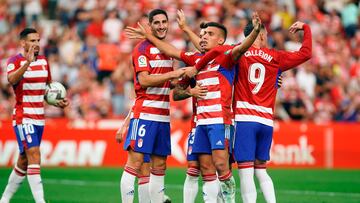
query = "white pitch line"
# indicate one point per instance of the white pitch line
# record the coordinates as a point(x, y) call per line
point(180, 187)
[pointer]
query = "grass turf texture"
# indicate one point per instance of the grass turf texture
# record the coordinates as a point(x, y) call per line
point(102, 185)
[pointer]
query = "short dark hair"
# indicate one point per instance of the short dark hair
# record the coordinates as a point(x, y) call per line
point(204, 25)
point(24, 33)
point(249, 27)
point(156, 12)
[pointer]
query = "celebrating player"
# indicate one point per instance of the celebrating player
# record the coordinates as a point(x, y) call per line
point(254, 99)
point(28, 73)
point(149, 129)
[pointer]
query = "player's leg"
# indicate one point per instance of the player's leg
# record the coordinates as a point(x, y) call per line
point(202, 147)
point(244, 152)
point(31, 137)
point(143, 181)
point(16, 177)
point(134, 161)
point(211, 186)
point(262, 154)
point(191, 186)
point(220, 138)
point(161, 149)
point(157, 178)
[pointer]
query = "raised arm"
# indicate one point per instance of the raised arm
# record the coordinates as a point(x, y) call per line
point(290, 60)
point(143, 32)
point(249, 40)
point(14, 76)
point(194, 38)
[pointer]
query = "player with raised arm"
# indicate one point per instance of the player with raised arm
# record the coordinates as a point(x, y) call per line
point(255, 91)
point(149, 128)
point(28, 73)
point(214, 131)
point(254, 101)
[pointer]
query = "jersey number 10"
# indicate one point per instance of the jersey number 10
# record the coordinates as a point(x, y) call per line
point(256, 76)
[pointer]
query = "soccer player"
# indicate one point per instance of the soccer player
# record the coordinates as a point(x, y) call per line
point(214, 34)
point(149, 128)
point(28, 73)
point(254, 99)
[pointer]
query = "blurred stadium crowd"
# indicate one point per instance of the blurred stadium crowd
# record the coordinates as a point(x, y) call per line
point(89, 53)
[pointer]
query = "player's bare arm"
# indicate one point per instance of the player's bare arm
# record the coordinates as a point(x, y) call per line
point(147, 80)
point(15, 76)
point(121, 132)
point(191, 71)
point(194, 38)
point(143, 32)
point(296, 27)
point(181, 93)
point(249, 40)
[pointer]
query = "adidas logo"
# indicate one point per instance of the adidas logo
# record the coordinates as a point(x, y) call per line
point(132, 192)
point(219, 143)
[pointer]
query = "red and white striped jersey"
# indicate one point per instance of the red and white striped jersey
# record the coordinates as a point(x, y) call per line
point(151, 103)
point(256, 83)
point(190, 59)
point(30, 90)
point(217, 76)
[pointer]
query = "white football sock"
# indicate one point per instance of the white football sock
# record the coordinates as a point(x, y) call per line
point(16, 177)
point(35, 182)
point(247, 184)
point(211, 188)
point(127, 184)
point(191, 188)
point(266, 185)
point(143, 189)
point(156, 185)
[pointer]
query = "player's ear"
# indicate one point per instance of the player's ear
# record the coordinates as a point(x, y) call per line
point(221, 41)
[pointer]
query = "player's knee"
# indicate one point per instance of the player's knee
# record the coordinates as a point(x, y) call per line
point(207, 167)
point(33, 155)
point(193, 164)
point(221, 165)
point(22, 162)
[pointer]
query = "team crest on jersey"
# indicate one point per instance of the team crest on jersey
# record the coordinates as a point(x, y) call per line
point(29, 139)
point(190, 150)
point(189, 53)
point(10, 67)
point(140, 143)
point(142, 61)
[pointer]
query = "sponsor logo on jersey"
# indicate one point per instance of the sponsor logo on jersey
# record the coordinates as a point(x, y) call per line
point(142, 61)
point(219, 143)
point(154, 50)
point(189, 53)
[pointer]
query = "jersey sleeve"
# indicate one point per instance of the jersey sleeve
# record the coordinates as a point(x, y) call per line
point(190, 58)
point(12, 65)
point(140, 61)
point(49, 78)
point(289, 60)
point(212, 54)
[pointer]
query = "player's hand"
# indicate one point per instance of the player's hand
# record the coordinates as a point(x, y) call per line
point(181, 19)
point(198, 91)
point(30, 55)
point(191, 71)
point(296, 27)
point(256, 21)
point(137, 33)
point(121, 133)
point(177, 73)
point(62, 103)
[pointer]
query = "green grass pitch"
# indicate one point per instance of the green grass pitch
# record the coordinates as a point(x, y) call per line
point(102, 185)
